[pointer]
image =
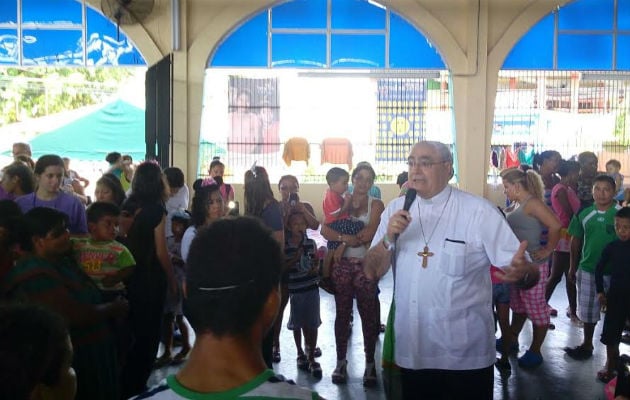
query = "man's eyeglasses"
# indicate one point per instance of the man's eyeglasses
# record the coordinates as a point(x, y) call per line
point(423, 164)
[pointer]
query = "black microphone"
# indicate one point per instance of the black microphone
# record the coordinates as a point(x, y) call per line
point(409, 198)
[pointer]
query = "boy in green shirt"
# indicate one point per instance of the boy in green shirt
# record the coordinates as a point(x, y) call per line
point(591, 230)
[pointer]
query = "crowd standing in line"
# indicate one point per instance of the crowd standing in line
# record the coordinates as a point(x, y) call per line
point(118, 291)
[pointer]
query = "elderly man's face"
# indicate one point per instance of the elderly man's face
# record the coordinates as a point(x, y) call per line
point(429, 172)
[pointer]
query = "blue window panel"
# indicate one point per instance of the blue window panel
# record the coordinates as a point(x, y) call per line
point(623, 52)
point(51, 11)
point(9, 47)
point(357, 51)
point(535, 49)
point(8, 12)
point(299, 14)
point(623, 15)
point(357, 14)
point(105, 46)
point(244, 47)
point(584, 52)
point(587, 14)
point(409, 48)
point(53, 47)
point(298, 51)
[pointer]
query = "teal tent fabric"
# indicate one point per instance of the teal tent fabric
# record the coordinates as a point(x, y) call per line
point(117, 126)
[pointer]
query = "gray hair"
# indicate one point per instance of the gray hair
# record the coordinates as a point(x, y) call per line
point(442, 149)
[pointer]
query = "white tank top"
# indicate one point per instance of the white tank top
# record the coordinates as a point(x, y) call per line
point(359, 252)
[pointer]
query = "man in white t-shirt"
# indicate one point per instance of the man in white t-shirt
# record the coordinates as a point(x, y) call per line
point(446, 241)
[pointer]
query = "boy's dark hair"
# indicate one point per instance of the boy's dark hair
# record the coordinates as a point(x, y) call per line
point(38, 222)
point(32, 350)
point(174, 176)
point(233, 266)
point(567, 167)
point(100, 209)
point(113, 157)
point(336, 173)
point(605, 178)
point(623, 212)
point(614, 163)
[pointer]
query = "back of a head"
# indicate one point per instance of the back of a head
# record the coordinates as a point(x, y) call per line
point(233, 266)
point(113, 157)
point(567, 167)
point(22, 149)
point(24, 173)
point(148, 185)
point(33, 350)
point(174, 176)
point(257, 190)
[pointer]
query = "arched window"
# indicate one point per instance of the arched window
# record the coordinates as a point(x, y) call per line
point(61, 33)
point(327, 34)
point(321, 82)
point(564, 87)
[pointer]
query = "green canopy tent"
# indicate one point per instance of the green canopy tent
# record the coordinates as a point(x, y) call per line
point(117, 126)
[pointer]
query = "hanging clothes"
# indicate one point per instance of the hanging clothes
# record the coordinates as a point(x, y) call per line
point(296, 149)
point(337, 151)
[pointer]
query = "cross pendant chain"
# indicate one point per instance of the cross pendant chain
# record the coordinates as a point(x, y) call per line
point(425, 254)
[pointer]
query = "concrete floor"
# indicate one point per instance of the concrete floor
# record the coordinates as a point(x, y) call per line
point(558, 378)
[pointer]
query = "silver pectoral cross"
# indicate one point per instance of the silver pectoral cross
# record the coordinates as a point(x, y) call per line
point(425, 254)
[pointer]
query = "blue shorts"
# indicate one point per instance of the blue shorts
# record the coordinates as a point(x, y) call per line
point(501, 293)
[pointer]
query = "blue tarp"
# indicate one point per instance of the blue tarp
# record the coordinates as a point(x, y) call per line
point(117, 126)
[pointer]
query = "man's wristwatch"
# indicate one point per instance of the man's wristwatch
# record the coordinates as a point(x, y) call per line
point(388, 244)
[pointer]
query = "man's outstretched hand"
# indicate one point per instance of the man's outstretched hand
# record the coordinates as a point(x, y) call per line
point(521, 272)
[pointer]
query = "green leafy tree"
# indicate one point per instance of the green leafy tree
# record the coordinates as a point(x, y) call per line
point(35, 92)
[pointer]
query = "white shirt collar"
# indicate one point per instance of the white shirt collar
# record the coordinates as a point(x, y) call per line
point(439, 198)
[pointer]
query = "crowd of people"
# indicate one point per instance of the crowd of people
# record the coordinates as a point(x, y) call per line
point(97, 284)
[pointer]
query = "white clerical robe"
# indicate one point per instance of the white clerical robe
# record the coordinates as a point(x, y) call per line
point(444, 311)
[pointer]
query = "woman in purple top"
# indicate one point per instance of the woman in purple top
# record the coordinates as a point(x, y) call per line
point(49, 172)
